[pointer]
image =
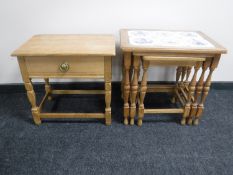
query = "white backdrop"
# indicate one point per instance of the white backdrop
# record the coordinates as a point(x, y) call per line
point(20, 19)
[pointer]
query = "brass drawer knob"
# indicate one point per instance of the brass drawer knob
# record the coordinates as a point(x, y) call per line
point(64, 67)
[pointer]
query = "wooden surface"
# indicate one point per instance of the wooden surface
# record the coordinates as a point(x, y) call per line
point(67, 56)
point(67, 45)
point(127, 47)
point(126, 85)
point(172, 61)
point(190, 89)
point(166, 59)
point(47, 67)
point(78, 66)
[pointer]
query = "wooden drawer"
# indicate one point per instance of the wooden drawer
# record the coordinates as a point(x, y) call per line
point(82, 66)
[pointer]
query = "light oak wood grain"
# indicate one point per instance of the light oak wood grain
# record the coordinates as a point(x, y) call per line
point(134, 88)
point(30, 91)
point(67, 56)
point(108, 89)
point(67, 45)
point(78, 66)
point(126, 84)
point(164, 111)
point(72, 115)
point(143, 89)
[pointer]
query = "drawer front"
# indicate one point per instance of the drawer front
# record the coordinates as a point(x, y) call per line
point(83, 66)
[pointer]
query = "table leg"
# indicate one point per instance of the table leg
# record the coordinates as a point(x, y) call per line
point(178, 74)
point(32, 99)
point(206, 88)
point(134, 88)
point(48, 88)
point(145, 65)
point(188, 72)
point(192, 86)
point(199, 88)
point(108, 87)
point(127, 78)
point(122, 82)
point(30, 91)
point(123, 79)
point(184, 72)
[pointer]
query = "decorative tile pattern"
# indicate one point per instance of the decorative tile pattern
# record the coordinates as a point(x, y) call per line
point(168, 39)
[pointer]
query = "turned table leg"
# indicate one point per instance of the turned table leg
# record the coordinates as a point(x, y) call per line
point(206, 88)
point(123, 79)
point(196, 95)
point(184, 72)
point(178, 74)
point(32, 99)
point(127, 78)
point(199, 88)
point(108, 87)
point(188, 72)
point(145, 65)
point(30, 91)
point(48, 88)
point(190, 93)
point(134, 88)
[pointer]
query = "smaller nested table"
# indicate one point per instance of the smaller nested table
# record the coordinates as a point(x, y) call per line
point(67, 56)
point(189, 51)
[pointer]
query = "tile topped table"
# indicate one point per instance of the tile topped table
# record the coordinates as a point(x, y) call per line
point(67, 56)
point(183, 49)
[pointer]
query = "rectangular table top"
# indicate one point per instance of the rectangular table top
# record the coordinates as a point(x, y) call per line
point(68, 45)
point(135, 40)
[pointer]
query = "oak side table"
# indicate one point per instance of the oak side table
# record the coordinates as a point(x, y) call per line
point(189, 51)
point(67, 56)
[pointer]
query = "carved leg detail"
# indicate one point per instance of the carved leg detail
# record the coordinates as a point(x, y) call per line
point(108, 103)
point(178, 74)
point(123, 80)
point(143, 92)
point(198, 91)
point(134, 89)
point(189, 68)
point(182, 82)
point(48, 88)
point(190, 94)
point(32, 99)
point(212, 66)
point(108, 87)
point(138, 93)
point(194, 104)
point(30, 91)
point(127, 78)
point(184, 72)
point(36, 116)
